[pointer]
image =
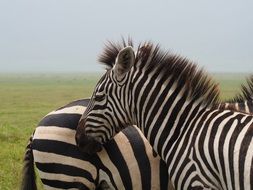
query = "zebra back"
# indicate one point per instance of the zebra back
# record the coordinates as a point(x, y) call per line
point(126, 162)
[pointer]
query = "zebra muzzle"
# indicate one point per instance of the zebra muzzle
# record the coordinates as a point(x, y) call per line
point(88, 144)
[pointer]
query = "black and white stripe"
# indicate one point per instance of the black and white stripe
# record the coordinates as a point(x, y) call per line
point(174, 105)
point(127, 162)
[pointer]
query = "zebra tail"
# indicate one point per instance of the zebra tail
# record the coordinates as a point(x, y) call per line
point(28, 173)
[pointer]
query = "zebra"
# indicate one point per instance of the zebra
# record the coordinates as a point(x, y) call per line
point(173, 103)
point(72, 108)
point(69, 115)
point(128, 161)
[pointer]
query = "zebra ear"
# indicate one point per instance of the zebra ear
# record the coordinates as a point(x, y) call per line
point(124, 62)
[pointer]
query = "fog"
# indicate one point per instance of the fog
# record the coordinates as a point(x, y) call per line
point(67, 36)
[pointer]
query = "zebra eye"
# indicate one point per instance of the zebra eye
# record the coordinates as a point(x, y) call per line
point(99, 97)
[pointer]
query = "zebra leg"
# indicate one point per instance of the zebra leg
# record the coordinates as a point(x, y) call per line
point(28, 174)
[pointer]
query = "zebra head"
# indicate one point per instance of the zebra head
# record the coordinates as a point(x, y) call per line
point(108, 110)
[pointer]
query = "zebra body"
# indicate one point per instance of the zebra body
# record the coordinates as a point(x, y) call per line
point(54, 136)
point(173, 103)
point(127, 162)
point(245, 106)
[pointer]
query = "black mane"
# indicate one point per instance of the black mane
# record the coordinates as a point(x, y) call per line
point(111, 51)
point(151, 57)
point(246, 93)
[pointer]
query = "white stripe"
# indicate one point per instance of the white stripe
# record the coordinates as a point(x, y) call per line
point(216, 141)
point(237, 106)
point(188, 184)
point(133, 91)
point(46, 157)
point(174, 126)
point(150, 128)
point(206, 145)
point(183, 156)
point(248, 166)
point(237, 156)
point(226, 153)
point(146, 101)
point(131, 162)
point(164, 123)
point(55, 133)
point(52, 188)
point(206, 152)
point(66, 178)
point(247, 107)
point(183, 175)
point(71, 110)
point(175, 156)
point(147, 96)
point(244, 118)
point(105, 159)
point(103, 176)
point(154, 161)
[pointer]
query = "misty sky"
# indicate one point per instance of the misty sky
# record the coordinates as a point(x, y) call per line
point(68, 35)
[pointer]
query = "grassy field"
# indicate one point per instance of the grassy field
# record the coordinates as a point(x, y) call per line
point(26, 98)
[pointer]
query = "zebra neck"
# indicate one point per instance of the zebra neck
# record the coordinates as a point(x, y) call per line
point(164, 118)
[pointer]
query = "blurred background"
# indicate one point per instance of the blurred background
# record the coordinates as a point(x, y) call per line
point(66, 36)
point(49, 50)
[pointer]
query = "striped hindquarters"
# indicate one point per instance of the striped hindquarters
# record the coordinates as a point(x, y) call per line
point(127, 162)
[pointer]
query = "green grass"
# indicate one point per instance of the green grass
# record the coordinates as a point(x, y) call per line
point(25, 99)
point(230, 84)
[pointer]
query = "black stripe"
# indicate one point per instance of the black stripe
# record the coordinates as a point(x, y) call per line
point(164, 176)
point(244, 149)
point(118, 159)
point(62, 120)
point(201, 145)
point(139, 87)
point(250, 106)
point(65, 169)
point(115, 108)
point(60, 148)
point(81, 102)
point(241, 107)
point(185, 178)
point(186, 142)
point(214, 128)
point(223, 136)
point(171, 122)
point(155, 109)
point(177, 132)
point(140, 154)
point(64, 184)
